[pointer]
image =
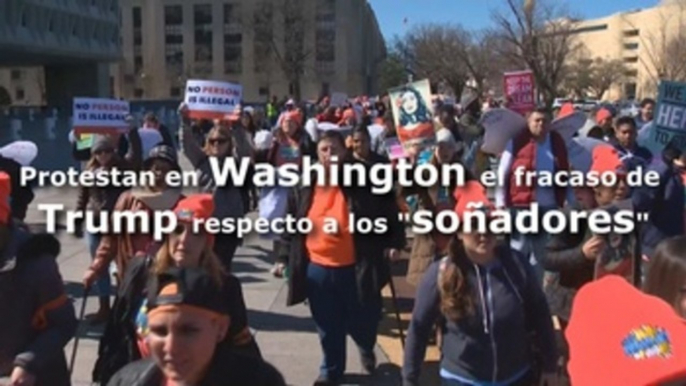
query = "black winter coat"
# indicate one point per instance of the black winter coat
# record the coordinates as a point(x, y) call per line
point(372, 269)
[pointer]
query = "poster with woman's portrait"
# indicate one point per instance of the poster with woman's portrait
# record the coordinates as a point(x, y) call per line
point(412, 112)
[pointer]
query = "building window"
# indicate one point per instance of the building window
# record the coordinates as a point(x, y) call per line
point(202, 17)
point(631, 33)
point(325, 34)
point(19, 94)
point(631, 73)
point(263, 36)
point(137, 31)
point(173, 39)
point(233, 39)
point(630, 46)
point(326, 45)
point(326, 11)
point(263, 91)
point(326, 89)
point(138, 93)
point(15, 75)
point(137, 64)
point(631, 59)
point(173, 15)
point(175, 92)
point(630, 90)
point(592, 28)
point(137, 18)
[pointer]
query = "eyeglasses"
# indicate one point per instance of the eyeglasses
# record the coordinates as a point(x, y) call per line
point(217, 141)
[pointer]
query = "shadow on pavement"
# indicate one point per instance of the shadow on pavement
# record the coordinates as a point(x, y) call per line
point(387, 374)
point(267, 321)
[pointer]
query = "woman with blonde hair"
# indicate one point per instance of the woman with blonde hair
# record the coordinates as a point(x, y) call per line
point(183, 248)
point(228, 198)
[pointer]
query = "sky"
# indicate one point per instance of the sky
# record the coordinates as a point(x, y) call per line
point(391, 13)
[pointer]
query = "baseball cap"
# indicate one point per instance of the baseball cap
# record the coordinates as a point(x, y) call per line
point(620, 336)
point(186, 288)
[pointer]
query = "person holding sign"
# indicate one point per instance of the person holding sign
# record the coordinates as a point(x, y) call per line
point(538, 150)
point(414, 122)
point(228, 198)
point(666, 203)
point(495, 316)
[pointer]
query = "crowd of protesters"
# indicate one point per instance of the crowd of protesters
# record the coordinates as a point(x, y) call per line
point(499, 305)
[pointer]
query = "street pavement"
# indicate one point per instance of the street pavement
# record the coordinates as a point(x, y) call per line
point(286, 335)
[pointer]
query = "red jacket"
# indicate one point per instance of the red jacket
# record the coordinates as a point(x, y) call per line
point(524, 155)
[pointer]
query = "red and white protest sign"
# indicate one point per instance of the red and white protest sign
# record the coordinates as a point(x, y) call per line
point(208, 99)
point(520, 91)
point(102, 116)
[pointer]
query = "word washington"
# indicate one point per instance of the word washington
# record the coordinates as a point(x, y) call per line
point(230, 171)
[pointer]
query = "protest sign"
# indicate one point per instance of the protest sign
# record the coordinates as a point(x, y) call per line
point(394, 148)
point(338, 99)
point(209, 99)
point(569, 125)
point(619, 336)
point(520, 91)
point(412, 114)
point(101, 116)
point(500, 126)
point(670, 117)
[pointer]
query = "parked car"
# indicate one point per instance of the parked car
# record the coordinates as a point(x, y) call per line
point(628, 108)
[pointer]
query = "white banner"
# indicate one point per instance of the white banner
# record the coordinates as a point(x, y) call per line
point(98, 115)
point(209, 99)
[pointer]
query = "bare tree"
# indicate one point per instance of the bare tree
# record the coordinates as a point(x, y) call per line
point(392, 71)
point(665, 48)
point(604, 74)
point(483, 61)
point(538, 34)
point(291, 54)
point(434, 52)
point(579, 77)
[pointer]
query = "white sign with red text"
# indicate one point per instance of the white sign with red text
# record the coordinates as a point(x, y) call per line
point(209, 99)
point(99, 115)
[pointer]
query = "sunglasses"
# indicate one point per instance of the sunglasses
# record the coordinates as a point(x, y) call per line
point(217, 141)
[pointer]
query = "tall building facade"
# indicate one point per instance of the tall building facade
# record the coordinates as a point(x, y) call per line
point(270, 47)
point(53, 50)
point(651, 42)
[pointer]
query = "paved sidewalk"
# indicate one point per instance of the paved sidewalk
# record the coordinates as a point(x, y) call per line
point(286, 336)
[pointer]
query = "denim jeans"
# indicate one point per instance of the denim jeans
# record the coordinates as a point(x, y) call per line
point(337, 312)
point(104, 282)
